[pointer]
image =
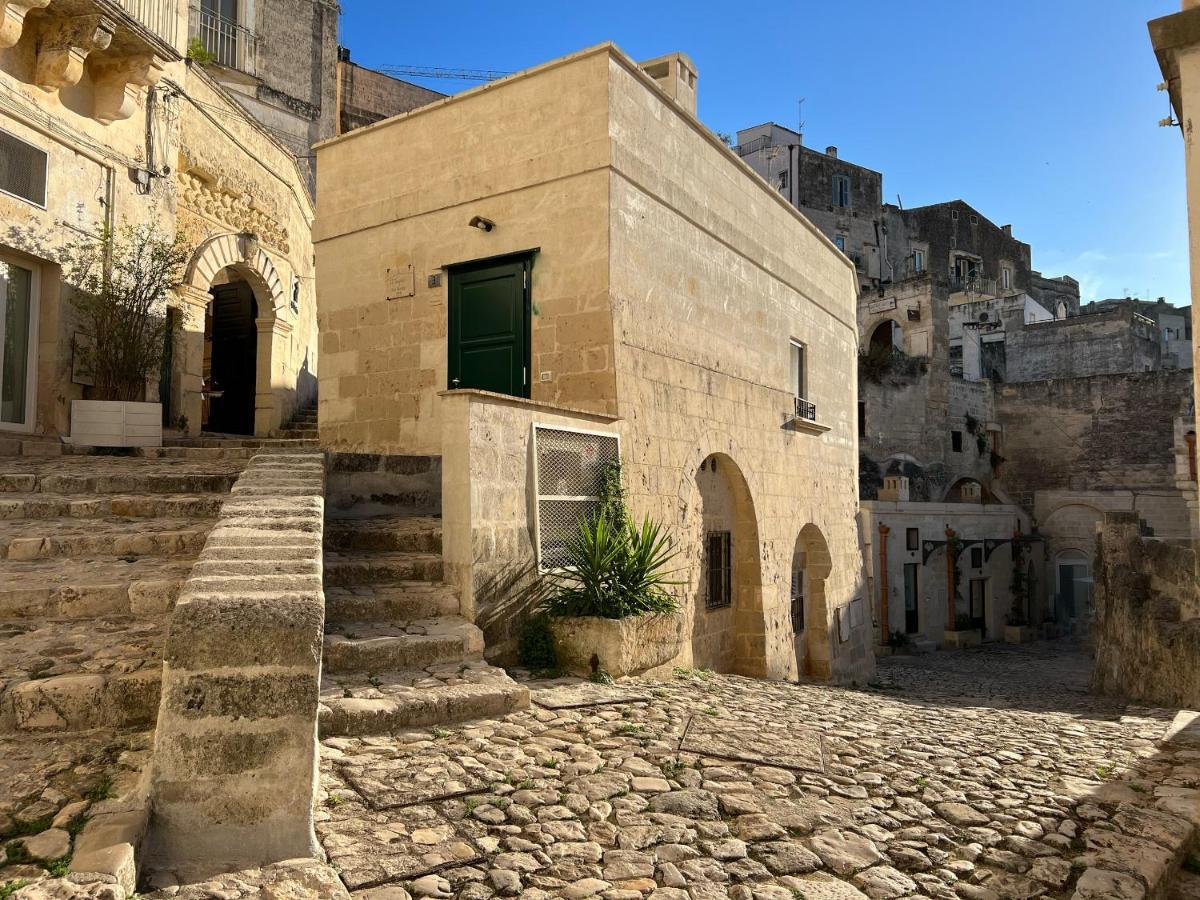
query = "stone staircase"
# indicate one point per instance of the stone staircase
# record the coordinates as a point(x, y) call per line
point(300, 433)
point(303, 425)
point(397, 652)
point(93, 553)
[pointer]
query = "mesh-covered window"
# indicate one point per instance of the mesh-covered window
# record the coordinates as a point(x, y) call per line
point(571, 468)
point(718, 563)
point(797, 600)
point(22, 169)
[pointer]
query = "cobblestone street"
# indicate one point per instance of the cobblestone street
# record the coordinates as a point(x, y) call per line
point(985, 774)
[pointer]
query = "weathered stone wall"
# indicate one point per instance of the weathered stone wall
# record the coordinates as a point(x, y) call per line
point(711, 277)
point(236, 745)
point(542, 183)
point(1109, 432)
point(1106, 343)
point(955, 228)
point(1147, 628)
point(367, 97)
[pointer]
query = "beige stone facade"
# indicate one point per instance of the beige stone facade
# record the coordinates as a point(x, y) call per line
point(121, 130)
point(668, 284)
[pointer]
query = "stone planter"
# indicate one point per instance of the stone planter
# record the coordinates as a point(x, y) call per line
point(959, 640)
point(1018, 634)
point(115, 423)
point(618, 646)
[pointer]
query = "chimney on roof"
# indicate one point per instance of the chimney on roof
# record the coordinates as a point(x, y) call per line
point(831, 151)
point(1007, 229)
point(676, 75)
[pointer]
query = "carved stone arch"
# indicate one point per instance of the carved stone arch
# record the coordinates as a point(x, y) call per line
point(243, 254)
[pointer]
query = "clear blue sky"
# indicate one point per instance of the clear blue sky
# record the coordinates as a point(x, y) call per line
point(1042, 113)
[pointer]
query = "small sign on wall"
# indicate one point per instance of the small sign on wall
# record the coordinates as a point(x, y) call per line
point(882, 305)
point(399, 281)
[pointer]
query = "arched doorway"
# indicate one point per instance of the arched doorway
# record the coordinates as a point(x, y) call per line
point(230, 355)
point(811, 564)
point(886, 338)
point(728, 628)
point(235, 339)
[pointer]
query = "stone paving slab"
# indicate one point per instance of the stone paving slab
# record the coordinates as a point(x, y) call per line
point(410, 780)
point(578, 694)
point(763, 743)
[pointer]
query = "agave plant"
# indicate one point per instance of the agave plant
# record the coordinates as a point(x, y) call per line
point(614, 571)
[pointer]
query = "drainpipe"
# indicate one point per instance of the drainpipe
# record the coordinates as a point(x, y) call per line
point(951, 612)
point(884, 624)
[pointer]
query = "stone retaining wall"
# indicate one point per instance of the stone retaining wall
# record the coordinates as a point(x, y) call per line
point(1147, 629)
point(235, 751)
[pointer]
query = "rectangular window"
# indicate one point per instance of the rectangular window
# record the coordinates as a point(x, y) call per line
point(1006, 278)
point(976, 557)
point(798, 368)
point(797, 601)
point(783, 180)
point(719, 569)
point(912, 539)
point(956, 441)
point(862, 419)
point(840, 241)
point(22, 169)
point(918, 261)
point(841, 191)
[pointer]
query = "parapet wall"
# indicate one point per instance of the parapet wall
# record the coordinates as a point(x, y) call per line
point(1147, 628)
point(235, 752)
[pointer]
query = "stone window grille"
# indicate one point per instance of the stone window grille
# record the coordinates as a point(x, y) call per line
point(718, 563)
point(23, 169)
point(570, 468)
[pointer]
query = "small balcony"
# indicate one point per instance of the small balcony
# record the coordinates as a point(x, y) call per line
point(806, 410)
point(227, 43)
point(158, 16)
point(804, 417)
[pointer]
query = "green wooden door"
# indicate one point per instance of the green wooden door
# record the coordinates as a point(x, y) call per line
point(489, 327)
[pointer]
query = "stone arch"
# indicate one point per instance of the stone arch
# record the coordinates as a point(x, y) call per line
point(220, 260)
point(887, 333)
point(730, 637)
point(242, 253)
point(964, 490)
point(811, 566)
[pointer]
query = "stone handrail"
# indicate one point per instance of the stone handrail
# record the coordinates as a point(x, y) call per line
point(235, 753)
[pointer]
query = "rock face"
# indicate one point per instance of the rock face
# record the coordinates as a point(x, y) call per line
point(619, 647)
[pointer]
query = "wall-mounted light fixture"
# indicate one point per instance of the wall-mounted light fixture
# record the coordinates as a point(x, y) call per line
point(481, 223)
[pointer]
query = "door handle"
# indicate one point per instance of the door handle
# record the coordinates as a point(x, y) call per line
point(455, 382)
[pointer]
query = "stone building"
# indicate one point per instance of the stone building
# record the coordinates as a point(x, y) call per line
point(105, 123)
point(610, 282)
point(365, 96)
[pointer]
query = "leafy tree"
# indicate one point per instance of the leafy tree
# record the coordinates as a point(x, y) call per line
point(121, 283)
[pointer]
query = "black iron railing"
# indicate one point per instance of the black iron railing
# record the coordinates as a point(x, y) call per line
point(230, 44)
point(806, 409)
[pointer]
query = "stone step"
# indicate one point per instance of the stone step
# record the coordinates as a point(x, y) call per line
point(135, 482)
point(66, 506)
point(392, 701)
point(51, 538)
point(83, 702)
point(198, 453)
point(82, 588)
point(389, 603)
point(375, 647)
point(247, 443)
point(300, 433)
point(345, 569)
point(417, 534)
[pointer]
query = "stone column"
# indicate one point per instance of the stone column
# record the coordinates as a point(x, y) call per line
point(884, 623)
point(270, 380)
point(951, 556)
point(187, 367)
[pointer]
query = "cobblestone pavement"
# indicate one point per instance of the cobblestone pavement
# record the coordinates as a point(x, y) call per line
point(983, 774)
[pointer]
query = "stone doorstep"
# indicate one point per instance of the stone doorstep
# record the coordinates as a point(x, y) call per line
point(139, 597)
point(376, 648)
point(402, 601)
point(349, 717)
point(49, 506)
point(387, 568)
point(82, 702)
point(387, 533)
point(100, 542)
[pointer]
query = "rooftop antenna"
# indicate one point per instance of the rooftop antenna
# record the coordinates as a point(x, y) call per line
point(800, 120)
point(899, 202)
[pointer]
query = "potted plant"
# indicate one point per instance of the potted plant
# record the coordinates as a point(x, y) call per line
point(119, 289)
point(1017, 628)
point(966, 633)
point(610, 608)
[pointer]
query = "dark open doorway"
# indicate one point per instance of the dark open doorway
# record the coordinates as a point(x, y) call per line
point(230, 359)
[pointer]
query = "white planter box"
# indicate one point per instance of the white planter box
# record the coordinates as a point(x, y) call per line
point(115, 423)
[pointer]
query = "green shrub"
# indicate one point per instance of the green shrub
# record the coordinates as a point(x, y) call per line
point(614, 572)
point(535, 646)
point(897, 639)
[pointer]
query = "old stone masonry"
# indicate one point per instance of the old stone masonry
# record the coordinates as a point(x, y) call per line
point(980, 775)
